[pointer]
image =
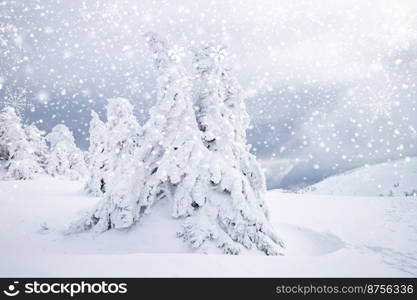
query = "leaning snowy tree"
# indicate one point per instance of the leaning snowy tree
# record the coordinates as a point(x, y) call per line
point(15, 149)
point(112, 146)
point(64, 158)
point(96, 156)
point(116, 207)
point(212, 194)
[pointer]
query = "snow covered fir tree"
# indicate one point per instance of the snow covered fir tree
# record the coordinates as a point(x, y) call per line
point(112, 146)
point(64, 158)
point(37, 144)
point(20, 150)
point(191, 152)
point(96, 156)
point(25, 151)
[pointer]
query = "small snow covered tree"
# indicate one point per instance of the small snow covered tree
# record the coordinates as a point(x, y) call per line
point(97, 156)
point(64, 159)
point(37, 144)
point(15, 149)
point(112, 146)
point(216, 193)
point(116, 163)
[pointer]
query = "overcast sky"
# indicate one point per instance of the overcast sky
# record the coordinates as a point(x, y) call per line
point(331, 85)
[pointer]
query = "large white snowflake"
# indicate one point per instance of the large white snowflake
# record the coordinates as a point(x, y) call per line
point(16, 98)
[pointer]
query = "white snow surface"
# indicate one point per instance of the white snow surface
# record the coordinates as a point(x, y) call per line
point(325, 236)
point(395, 178)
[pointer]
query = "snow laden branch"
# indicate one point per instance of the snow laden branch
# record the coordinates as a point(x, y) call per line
point(192, 152)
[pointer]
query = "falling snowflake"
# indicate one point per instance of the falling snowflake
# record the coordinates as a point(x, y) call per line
point(218, 53)
point(16, 98)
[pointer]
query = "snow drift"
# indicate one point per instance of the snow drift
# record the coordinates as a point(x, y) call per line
point(325, 236)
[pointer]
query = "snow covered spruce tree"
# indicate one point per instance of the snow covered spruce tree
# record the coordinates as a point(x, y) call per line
point(64, 159)
point(235, 202)
point(113, 145)
point(15, 149)
point(123, 139)
point(207, 189)
point(97, 156)
point(222, 116)
point(37, 144)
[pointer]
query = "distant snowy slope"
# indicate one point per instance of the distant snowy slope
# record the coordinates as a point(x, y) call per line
point(396, 178)
point(324, 236)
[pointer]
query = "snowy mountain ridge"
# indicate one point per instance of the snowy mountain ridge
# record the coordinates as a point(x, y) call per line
point(395, 178)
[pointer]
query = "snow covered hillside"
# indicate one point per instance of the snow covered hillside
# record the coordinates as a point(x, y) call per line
point(396, 178)
point(324, 236)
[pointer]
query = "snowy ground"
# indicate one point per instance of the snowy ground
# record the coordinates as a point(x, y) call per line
point(325, 236)
point(396, 178)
